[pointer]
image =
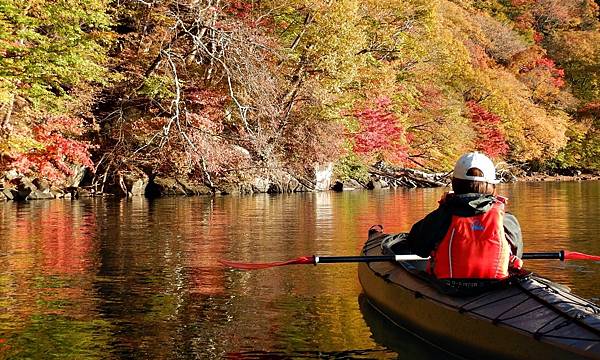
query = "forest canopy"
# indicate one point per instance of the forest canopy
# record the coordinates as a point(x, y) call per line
point(223, 91)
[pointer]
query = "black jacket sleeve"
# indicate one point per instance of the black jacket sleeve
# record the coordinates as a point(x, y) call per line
point(427, 233)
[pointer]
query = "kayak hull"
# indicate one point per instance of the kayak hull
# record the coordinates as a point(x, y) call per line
point(449, 322)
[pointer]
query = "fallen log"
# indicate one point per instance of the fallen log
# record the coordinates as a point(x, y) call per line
point(411, 178)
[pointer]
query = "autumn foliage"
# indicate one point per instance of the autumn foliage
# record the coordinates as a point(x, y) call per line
point(380, 132)
point(55, 150)
point(235, 90)
point(540, 73)
point(490, 139)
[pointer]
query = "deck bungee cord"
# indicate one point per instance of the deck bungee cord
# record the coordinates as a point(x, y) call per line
point(499, 320)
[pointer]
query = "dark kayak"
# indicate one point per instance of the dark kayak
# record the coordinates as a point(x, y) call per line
point(526, 317)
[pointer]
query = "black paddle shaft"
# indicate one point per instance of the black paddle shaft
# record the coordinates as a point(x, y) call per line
point(560, 255)
point(351, 259)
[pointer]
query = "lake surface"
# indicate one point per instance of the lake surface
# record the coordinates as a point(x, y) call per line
point(139, 279)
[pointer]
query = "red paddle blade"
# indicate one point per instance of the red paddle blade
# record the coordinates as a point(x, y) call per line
point(255, 266)
point(573, 255)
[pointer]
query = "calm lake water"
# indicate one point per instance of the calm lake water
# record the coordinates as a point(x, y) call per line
point(139, 279)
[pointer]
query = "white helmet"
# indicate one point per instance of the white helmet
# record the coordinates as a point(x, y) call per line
point(475, 160)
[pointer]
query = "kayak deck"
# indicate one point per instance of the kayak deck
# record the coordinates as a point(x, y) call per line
point(530, 318)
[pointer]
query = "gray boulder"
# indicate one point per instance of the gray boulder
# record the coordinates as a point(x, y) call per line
point(376, 184)
point(79, 172)
point(40, 195)
point(8, 194)
point(168, 186)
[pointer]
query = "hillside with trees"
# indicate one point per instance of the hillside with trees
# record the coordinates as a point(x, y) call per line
point(209, 93)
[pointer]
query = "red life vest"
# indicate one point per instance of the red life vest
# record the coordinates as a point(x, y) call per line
point(474, 247)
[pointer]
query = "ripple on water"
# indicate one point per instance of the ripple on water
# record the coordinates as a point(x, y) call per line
point(140, 279)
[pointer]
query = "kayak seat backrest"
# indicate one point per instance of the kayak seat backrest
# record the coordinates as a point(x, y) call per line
point(466, 287)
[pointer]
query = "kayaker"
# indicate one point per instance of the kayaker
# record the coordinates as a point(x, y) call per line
point(469, 236)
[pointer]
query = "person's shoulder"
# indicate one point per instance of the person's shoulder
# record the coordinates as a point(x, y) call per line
point(445, 197)
point(443, 210)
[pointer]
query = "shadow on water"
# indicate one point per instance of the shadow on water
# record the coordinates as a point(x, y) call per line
point(393, 336)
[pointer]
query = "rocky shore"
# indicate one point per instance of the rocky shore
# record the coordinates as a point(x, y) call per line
point(136, 183)
point(537, 177)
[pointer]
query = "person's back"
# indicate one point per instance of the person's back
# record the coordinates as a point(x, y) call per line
point(469, 236)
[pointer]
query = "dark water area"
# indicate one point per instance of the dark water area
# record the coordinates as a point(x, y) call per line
point(140, 279)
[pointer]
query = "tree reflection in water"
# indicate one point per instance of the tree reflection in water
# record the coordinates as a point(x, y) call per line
point(136, 278)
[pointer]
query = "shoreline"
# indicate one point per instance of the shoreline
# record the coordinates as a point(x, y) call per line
point(24, 188)
point(16, 195)
point(540, 177)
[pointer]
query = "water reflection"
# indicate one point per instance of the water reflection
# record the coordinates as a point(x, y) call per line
point(139, 279)
point(47, 299)
point(557, 216)
point(394, 337)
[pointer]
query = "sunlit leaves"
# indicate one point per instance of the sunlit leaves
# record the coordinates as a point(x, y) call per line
point(490, 138)
point(242, 88)
point(579, 53)
point(380, 134)
point(51, 47)
point(51, 150)
point(156, 87)
point(584, 145)
point(52, 57)
point(540, 74)
point(501, 42)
